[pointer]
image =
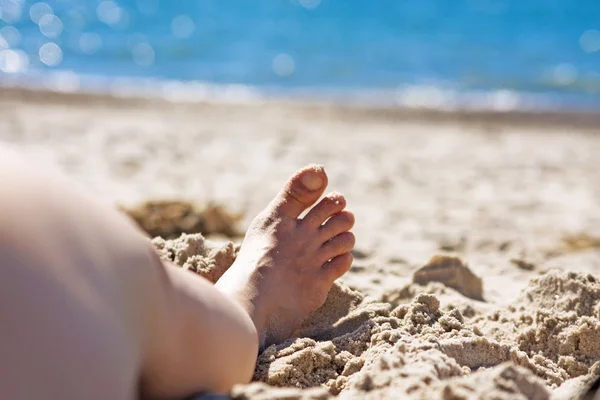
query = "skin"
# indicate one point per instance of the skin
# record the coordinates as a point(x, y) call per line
point(90, 311)
point(287, 265)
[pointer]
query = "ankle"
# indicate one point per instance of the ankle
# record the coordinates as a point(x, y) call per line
point(248, 298)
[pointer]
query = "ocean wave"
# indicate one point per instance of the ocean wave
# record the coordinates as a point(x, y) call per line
point(418, 97)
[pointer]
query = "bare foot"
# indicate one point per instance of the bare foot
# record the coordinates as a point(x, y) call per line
point(287, 265)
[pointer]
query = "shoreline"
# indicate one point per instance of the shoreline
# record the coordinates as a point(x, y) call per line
point(582, 119)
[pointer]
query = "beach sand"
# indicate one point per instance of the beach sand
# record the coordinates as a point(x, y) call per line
point(514, 197)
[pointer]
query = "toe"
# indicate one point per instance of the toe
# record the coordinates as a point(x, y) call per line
point(301, 191)
point(339, 223)
point(340, 244)
point(327, 207)
point(337, 267)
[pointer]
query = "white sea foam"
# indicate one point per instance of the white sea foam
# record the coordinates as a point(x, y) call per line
point(417, 97)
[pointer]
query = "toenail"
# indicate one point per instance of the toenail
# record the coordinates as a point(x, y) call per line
point(312, 181)
point(337, 198)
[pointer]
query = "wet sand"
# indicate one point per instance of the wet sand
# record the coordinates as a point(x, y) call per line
point(514, 196)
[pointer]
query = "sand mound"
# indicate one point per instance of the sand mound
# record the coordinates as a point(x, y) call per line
point(170, 219)
point(412, 346)
point(554, 327)
point(452, 272)
point(192, 252)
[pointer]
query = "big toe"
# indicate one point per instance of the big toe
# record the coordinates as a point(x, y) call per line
point(301, 191)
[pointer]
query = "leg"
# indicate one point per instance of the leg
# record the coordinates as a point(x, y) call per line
point(89, 310)
point(56, 345)
point(66, 328)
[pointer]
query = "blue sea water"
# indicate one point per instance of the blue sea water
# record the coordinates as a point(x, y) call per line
point(433, 53)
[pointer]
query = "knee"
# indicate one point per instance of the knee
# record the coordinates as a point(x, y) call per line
point(206, 342)
point(244, 351)
point(237, 342)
